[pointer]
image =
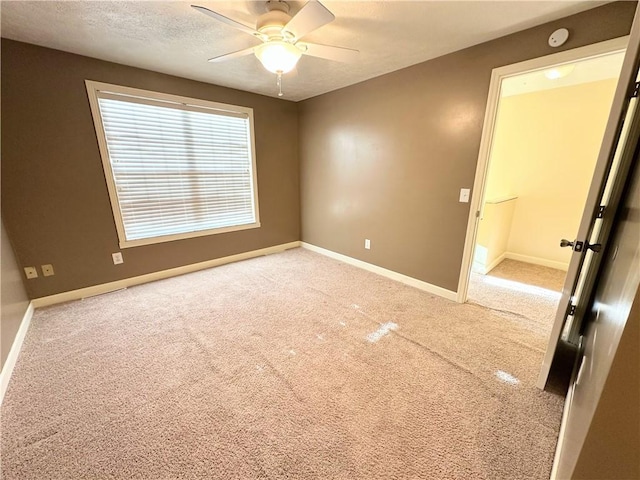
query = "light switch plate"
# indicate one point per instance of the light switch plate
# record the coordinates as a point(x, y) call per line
point(464, 195)
point(367, 244)
point(117, 258)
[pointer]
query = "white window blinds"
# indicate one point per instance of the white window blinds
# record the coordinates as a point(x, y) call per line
point(178, 170)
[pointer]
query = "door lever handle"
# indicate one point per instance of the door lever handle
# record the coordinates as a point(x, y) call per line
point(596, 247)
point(577, 246)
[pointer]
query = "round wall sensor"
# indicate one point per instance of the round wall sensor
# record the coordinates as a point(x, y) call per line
point(558, 37)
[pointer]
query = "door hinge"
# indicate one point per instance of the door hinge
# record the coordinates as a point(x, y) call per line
point(601, 210)
point(636, 90)
point(572, 309)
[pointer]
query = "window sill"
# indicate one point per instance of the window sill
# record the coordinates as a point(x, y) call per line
point(183, 236)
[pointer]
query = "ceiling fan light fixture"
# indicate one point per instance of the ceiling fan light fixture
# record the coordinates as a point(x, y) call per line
point(278, 56)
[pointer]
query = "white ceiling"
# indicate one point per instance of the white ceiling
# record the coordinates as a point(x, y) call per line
point(603, 67)
point(173, 38)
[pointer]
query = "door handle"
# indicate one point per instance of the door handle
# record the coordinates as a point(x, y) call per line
point(577, 246)
point(566, 243)
point(596, 247)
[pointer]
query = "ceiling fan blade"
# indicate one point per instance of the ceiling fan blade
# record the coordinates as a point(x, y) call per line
point(229, 56)
point(339, 54)
point(228, 21)
point(313, 15)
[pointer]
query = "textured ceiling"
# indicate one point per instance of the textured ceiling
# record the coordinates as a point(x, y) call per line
point(171, 37)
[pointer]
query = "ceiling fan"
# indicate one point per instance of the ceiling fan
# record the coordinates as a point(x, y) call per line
point(281, 33)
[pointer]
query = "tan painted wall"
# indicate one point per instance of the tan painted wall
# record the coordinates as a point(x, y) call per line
point(385, 159)
point(545, 148)
point(13, 297)
point(54, 196)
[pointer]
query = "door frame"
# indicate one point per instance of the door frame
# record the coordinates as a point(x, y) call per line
point(497, 75)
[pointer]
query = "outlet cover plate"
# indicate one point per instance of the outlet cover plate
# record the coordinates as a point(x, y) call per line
point(47, 270)
point(117, 258)
point(31, 272)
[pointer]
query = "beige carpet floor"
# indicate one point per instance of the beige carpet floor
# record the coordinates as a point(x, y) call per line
point(527, 293)
point(290, 366)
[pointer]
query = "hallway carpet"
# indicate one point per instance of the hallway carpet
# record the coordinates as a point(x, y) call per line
point(290, 366)
point(525, 292)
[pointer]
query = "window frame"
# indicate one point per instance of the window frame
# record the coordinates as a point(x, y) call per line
point(185, 103)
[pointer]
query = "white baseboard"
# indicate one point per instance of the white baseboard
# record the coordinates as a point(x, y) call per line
point(483, 270)
point(399, 277)
point(537, 261)
point(12, 358)
point(150, 277)
point(495, 263)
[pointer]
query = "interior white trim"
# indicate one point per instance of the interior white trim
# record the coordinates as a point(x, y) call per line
point(94, 89)
point(497, 75)
point(16, 346)
point(568, 402)
point(398, 277)
point(538, 261)
point(494, 264)
point(563, 428)
point(150, 277)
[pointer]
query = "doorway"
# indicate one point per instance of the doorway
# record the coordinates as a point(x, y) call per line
point(544, 126)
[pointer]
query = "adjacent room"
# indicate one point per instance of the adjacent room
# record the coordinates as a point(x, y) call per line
point(546, 140)
point(235, 233)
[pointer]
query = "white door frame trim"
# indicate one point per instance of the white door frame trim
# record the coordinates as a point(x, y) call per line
point(497, 75)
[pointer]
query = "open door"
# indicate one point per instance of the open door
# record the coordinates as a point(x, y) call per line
point(612, 167)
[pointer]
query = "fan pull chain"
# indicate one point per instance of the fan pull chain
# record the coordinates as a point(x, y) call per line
point(279, 84)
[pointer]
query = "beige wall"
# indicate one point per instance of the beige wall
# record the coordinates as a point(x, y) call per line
point(545, 148)
point(493, 234)
point(385, 159)
point(54, 197)
point(13, 297)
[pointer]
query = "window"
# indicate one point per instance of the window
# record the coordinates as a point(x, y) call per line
point(176, 167)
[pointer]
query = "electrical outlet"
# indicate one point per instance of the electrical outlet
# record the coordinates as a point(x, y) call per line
point(367, 244)
point(47, 270)
point(464, 195)
point(31, 272)
point(117, 258)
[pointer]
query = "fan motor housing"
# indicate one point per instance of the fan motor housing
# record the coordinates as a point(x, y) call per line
point(272, 19)
point(277, 16)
